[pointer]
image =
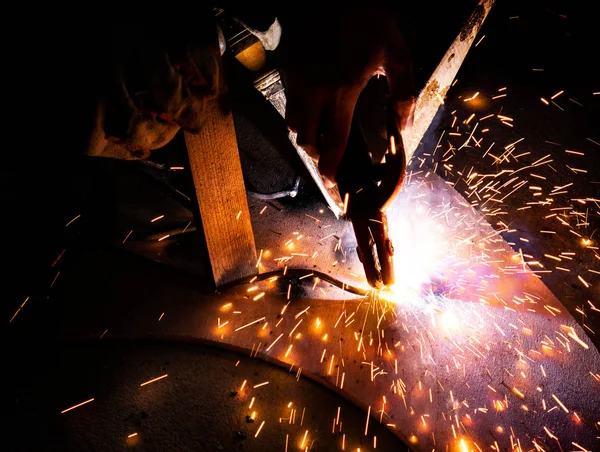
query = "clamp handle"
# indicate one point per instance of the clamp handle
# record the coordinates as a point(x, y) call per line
point(367, 189)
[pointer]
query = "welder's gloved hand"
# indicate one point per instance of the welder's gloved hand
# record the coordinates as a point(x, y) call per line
point(156, 84)
point(327, 58)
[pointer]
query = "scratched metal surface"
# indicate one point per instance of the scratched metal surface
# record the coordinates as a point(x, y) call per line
point(475, 360)
point(194, 397)
point(492, 344)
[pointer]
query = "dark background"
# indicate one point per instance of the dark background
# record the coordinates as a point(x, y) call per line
point(44, 185)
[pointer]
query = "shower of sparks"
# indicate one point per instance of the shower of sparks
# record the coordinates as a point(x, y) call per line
point(426, 350)
point(457, 304)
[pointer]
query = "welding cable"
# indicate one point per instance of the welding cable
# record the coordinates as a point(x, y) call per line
point(278, 194)
point(297, 273)
point(289, 274)
point(185, 200)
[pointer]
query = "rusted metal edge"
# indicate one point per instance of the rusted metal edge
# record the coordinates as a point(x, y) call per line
point(431, 96)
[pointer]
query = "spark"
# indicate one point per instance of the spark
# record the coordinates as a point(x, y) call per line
point(20, 307)
point(259, 258)
point(77, 217)
point(259, 429)
point(249, 324)
point(155, 379)
point(584, 282)
point(274, 342)
point(77, 406)
point(518, 393)
point(125, 239)
point(560, 403)
point(345, 208)
point(304, 439)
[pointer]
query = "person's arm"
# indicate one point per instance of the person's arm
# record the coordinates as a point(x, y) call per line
point(156, 77)
point(327, 57)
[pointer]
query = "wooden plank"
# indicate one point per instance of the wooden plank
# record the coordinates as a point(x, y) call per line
point(221, 194)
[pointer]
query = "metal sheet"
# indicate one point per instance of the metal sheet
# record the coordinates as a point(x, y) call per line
point(494, 362)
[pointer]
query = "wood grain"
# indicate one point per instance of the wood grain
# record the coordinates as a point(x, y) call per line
point(221, 194)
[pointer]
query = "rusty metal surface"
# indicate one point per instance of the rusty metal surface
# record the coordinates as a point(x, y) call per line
point(504, 361)
point(486, 353)
point(432, 95)
point(201, 404)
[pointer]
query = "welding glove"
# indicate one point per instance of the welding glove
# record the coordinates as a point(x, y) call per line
point(156, 84)
point(327, 57)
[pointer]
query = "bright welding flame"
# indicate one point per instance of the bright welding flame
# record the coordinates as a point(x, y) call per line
point(440, 247)
point(449, 321)
point(463, 446)
point(421, 250)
